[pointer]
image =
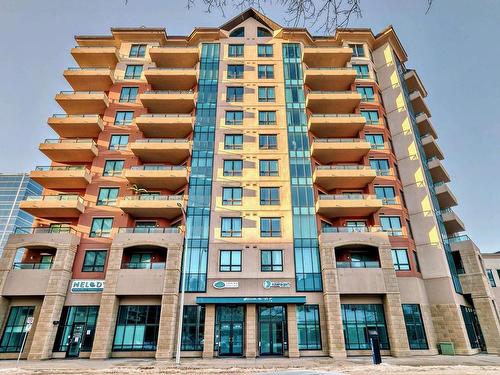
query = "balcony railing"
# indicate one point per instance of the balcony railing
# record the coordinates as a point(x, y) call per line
point(346, 196)
point(319, 92)
point(169, 92)
point(460, 238)
point(77, 140)
point(64, 115)
point(35, 230)
point(158, 168)
point(389, 201)
point(339, 140)
point(343, 167)
point(384, 172)
point(143, 266)
point(148, 197)
point(335, 115)
point(161, 68)
point(330, 68)
point(62, 197)
point(65, 92)
point(59, 168)
point(149, 230)
point(31, 266)
point(90, 68)
point(359, 264)
point(173, 115)
point(92, 47)
point(162, 140)
point(440, 183)
point(372, 229)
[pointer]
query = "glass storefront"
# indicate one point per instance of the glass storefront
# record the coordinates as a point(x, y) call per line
point(193, 326)
point(415, 326)
point(14, 331)
point(229, 330)
point(272, 330)
point(308, 328)
point(137, 328)
point(358, 319)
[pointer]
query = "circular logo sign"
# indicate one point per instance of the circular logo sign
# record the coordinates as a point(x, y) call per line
point(219, 284)
point(267, 284)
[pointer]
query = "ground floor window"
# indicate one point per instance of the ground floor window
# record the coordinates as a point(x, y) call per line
point(193, 326)
point(309, 333)
point(13, 333)
point(414, 326)
point(137, 328)
point(73, 317)
point(358, 319)
point(471, 325)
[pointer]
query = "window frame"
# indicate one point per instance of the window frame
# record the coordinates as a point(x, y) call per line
point(234, 121)
point(233, 50)
point(268, 145)
point(232, 267)
point(400, 265)
point(263, 50)
point(232, 201)
point(107, 201)
point(236, 98)
point(266, 121)
point(233, 145)
point(113, 172)
point(12, 329)
point(139, 52)
point(272, 232)
point(231, 232)
point(94, 267)
point(131, 96)
point(270, 172)
point(269, 201)
point(308, 327)
point(118, 146)
point(232, 172)
point(237, 74)
point(146, 324)
point(99, 234)
point(270, 94)
point(267, 71)
point(125, 121)
point(272, 266)
point(136, 71)
point(418, 326)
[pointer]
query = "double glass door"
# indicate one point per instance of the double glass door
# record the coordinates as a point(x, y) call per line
point(272, 330)
point(229, 330)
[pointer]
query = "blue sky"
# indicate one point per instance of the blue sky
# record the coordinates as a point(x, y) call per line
point(454, 48)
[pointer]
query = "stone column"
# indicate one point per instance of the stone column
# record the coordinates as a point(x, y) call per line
point(396, 328)
point(490, 327)
point(169, 305)
point(209, 334)
point(293, 340)
point(251, 331)
point(449, 326)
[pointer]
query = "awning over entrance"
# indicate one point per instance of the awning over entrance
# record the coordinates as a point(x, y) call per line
point(246, 300)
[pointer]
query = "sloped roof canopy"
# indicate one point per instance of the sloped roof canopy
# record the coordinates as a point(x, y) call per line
point(250, 13)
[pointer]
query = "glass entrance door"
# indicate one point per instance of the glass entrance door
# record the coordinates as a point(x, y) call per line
point(229, 330)
point(272, 330)
point(76, 340)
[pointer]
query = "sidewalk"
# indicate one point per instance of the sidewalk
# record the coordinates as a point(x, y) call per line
point(430, 365)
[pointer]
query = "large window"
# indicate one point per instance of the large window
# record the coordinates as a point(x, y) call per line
point(271, 260)
point(234, 117)
point(235, 71)
point(107, 196)
point(193, 327)
point(362, 71)
point(414, 326)
point(124, 117)
point(268, 168)
point(265, 50)
point(357, 319)
point(94, 261)
point(101, 227)
point(376, 141)
point(230, 261)
point(267, 117)
point(268, 141)
point(13, 333)
point(471, 325)
point(357, 50)
point(118, 141)
point(270, 227)
point(137, 50)
point(113, 167)
point(391, 225)
point(76, 315)
point(491, 278)
point(128, 94)
point(269, 196)
point(371, 117)
point(381, 166)
point(233, 142)
point(233, 167)
point(367, 93)
point(232, 196)
point(234, 94)
point(308, 328)
point(267, 94)
point(231, 226)
point(235, 50)
point(266, 71)
point(386, 193)
point(400, 259)
point(137, 328)
point(133, 72)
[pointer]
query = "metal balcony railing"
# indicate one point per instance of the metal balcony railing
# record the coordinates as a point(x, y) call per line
point(344, 167)
point(65, 115)
point(62, 197)
point(332, 92)
point(60, 168)
point(76, 140)
point(158, 168)
point(36, 230)
point(346, 196)
point(347, 229)
point(461, 238)
point(162, 140)
point(31, 266)
point(152, 197)
point(339, 140)
point(178, 92)
point(144, 265)
point(149, 230)
point(65, 92)
point(335, 115)
point(359, 264)
point(171, 115)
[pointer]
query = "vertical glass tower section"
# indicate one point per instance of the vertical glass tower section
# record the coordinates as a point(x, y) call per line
point(200, 181)
point(430, 183)
point(305, 231)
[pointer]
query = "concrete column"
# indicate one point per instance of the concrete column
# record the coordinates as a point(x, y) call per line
point(251, 331)
point(293, 340)
point(396, 328)
point(209, 334)
point(490, 327)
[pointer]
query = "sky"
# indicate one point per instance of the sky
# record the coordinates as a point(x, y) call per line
point(454, 48)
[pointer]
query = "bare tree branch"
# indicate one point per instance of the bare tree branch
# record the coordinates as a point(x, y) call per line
point(429, 5)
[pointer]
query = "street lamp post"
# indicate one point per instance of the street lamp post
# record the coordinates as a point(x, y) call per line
point(183, 287)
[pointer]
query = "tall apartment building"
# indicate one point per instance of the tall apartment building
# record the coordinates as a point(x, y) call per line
point(14, 187)
point(299, 176)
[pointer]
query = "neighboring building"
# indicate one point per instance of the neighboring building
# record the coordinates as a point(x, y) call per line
point(15, 187)
point(491, 263)
point(316, 198)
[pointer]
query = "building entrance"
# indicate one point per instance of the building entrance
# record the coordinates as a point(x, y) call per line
point(229, 330)
point(272, 330)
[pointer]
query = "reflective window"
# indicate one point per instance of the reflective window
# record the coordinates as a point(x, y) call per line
point(381, 166)
point(271, 260)
point(231, 226)
point(235, 50)
point(376, 141)
point(268, 168)
point(232, 196)
point(101, 227)
point(265, 50)
point(261, 32)
point(137, 328)
point(193, 328)
point(235, 71)
point(238, 33)
point(386, 193)
point(113, 167)
point(491, 278)
point(128, 94)
point(72, 316)
point(267, 94)
point(133, 72)
point(270, 227)
point(137, 50)
point(367, 93)
point(400, 260)
point(472, 326)
point(234, 94)
point(267, 117)
point(357, 320)
point(233, 167)
point(94, 261)
point(266, 71)
point(118, 141)
point(124, 117)
point(370, 116)
point(268, 141)
point(13, 333)
point(269, 196)
point(414, 326)
point(391, 225)
point(308, 328)
point(233, 142)
point(362, 71)
point(234, 118)
point(357, 50)
point(230, 261)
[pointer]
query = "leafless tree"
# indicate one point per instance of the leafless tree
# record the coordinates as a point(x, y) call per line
point(325, 16)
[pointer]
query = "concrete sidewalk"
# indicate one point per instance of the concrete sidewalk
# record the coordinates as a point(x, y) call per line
point(442, 365)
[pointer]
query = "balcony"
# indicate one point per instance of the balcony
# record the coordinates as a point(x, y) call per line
point(53, 206)
point(353, 205)
point(437, 171)
point(174, 57)
point(329, 78)
point(339, 150)
point(414, 83)
point(83, 102)
point(425, 125)
point(95, 57)
point(152, 206)
point(332, 101)
point(69, 150)
point(452, 222)
point(82, 79)
point(165, 125)
point(171, 78)
point(418, 103)
point(76, 126)
point(431, 148)
point(161, 150)
point(445, 196)
point(316, 57)
point(336, 125)
point(343, 176)
point(168, 101)
point(67, 177)
point(170, 177)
